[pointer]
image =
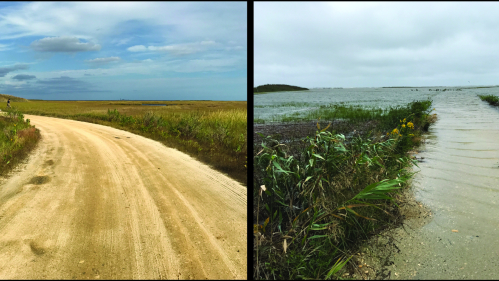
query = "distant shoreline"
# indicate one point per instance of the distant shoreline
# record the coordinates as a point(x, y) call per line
point(270, 88)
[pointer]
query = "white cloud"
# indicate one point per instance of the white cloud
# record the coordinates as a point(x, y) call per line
point(234, 48)
point(176, 49)
point(137, 48)
point(5, 47)
point(209, 42)
point(102, 19)
point(102, 61)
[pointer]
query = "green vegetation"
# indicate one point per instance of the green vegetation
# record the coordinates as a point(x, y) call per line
point(277, 88)
point(355, 115)
point(491, 99)
point(318, 198)
point(214, 132)
point(17, 140)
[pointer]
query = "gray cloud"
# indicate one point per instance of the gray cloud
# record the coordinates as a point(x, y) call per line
point(63, 44)
point(328, 44)
point(102, 61)
point(66, 84)
point(7, 69)
point(64, 88)
point(22, 77)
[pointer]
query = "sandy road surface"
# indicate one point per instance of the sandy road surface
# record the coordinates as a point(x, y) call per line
point(94, 202)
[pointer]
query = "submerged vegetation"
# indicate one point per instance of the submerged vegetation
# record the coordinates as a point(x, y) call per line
point(277, 88)
point(17, 140)
point(214, 132)
point(317, 196)
point(491, 99)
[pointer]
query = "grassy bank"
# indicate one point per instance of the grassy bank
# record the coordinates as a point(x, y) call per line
point(214, 132)
point(491, 99)
point(17, 140)
point(318, 195)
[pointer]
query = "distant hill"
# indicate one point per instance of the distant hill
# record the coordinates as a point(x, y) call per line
point(277, 88)
point(4, 98)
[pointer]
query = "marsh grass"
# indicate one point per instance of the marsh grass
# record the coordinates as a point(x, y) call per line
point(318, 198)
point(491, 99)
point(386, 118)
point(213, 132)
point(17, 139)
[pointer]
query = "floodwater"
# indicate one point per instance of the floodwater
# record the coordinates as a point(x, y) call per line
point(458, 180)
point(275, 105)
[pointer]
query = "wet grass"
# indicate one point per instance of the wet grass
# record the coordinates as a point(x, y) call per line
point(214, 132)
point(386, 118)
point(322, 188)
point(491, 99)
point(17, 140)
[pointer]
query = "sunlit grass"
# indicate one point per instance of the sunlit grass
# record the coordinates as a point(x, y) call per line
point(214, 132)
point(17, 138)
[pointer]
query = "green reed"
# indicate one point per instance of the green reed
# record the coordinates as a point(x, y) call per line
point(491, 99)
point(314, 204)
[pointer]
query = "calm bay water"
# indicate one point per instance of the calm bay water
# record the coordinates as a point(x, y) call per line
point(275, 105)
point(458, 179)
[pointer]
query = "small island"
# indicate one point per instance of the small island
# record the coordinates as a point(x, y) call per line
point(276, 88)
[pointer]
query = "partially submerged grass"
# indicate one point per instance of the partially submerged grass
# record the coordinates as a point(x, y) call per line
point(18, 138)
point(214, 132)
point(317, 197)
point(491, 99)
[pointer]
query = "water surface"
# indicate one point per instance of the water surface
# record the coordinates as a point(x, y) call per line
point(458, 178)
point(459, 181)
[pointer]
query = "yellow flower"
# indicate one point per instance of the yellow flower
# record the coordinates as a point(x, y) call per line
point(403, 125)
point(404, 119)
point(395, 131)
point(411, 135)
point(410, 125)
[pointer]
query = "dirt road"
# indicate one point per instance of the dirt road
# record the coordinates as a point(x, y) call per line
point(94, 202)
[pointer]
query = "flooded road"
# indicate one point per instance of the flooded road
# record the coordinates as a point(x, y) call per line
point(459, 182)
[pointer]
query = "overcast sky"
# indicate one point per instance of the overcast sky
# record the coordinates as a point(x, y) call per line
point(129, 50)
point(366, 44)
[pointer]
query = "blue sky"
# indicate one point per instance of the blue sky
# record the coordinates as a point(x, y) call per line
point(124, 50)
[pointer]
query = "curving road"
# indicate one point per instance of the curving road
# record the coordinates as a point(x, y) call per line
point(94, 202)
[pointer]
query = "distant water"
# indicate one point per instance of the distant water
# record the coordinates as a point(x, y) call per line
point(278, 104)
